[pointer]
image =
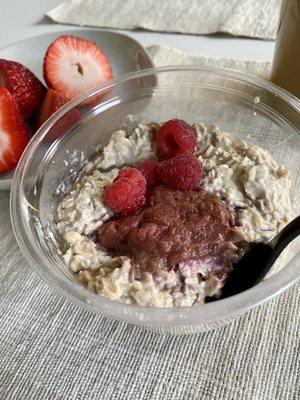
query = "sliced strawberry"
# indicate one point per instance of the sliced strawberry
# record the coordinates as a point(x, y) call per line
point(52, 102)
point(73, 65)
point(13, 134)
point(27, 90)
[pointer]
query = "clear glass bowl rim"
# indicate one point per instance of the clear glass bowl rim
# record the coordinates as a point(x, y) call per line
point(156, 316)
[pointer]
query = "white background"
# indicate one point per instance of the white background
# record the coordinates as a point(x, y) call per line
point(23, 18)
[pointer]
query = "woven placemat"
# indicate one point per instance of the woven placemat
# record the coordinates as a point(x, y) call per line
point(52, 349)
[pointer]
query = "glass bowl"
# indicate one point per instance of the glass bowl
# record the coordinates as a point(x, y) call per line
point(241, 104)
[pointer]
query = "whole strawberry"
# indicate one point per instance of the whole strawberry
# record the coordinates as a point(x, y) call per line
point(25, 87)
point(52, 102)
point(182, 172)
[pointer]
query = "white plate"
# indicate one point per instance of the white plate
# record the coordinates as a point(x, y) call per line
point(125, 54)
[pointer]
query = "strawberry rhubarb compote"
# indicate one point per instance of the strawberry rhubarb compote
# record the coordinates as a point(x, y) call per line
point(174, 228)
point(164, 211)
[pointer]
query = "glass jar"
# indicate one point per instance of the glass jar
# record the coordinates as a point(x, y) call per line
point(286, 61)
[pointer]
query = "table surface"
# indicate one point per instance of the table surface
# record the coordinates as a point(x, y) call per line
point(52, 349)
point(21, 19)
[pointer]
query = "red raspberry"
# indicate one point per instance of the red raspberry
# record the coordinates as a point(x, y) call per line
point(175, 137)
point(149, 169)
point(127, 194)
point(133, 174)
point(183, 172)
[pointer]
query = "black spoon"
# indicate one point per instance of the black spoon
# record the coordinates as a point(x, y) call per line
point(255, 264)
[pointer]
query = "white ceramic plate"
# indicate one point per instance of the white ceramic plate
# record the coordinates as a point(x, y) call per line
point(124, 53)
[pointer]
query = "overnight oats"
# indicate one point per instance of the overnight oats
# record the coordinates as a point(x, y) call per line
point(161, 215)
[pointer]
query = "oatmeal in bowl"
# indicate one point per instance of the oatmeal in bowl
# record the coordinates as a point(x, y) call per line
point(162, 213)
point(145, 227)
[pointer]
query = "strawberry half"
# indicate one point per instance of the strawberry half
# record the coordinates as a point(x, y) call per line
point(27, 90)
point(13, 133)
point(73, 65)
point(52, 102)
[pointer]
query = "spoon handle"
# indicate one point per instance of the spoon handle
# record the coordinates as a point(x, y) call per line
point(278, 244)
point(289, 233)
point(256, 263)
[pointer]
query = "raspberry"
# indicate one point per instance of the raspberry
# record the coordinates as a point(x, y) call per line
point(133, 174)
point(127, 194)
point(175, 137)
point(149, 169)
point(183, 172)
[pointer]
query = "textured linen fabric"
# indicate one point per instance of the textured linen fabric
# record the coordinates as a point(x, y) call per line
point(253, 18)
point(163, 55)
point(53, 349)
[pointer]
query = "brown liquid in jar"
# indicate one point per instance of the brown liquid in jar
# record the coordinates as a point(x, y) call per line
point(286, 62)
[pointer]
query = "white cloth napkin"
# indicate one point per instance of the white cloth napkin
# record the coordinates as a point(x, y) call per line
point(253, 18)
point(163, 55)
